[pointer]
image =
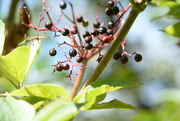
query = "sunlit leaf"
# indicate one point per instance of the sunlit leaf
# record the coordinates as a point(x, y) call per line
point(13, 66)
point(2, 36)
point(15, 110)
point(91, 92)
point(161, 3)
point(38, 92)
point(174, 10)
point(34, 51)
point(17, 63)
point(60, 110)
point(173, 30)
point(113, 104)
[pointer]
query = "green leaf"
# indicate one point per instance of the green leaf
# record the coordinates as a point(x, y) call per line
point(162, 3)
point(13, 66)
point(15, 110)
point(173, 30)
point(17, 63)
point(174, 10)
point(93, 91)
point(34, 51)
point(113, 104)
point(2, 36)
point(60, 110)
point(40, 92)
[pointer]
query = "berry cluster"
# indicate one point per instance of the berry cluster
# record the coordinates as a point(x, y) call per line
point(89, 43)
point(124, 58)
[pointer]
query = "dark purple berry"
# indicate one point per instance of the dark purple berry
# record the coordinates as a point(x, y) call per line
point(124, 59)
point(72, 52)
point(115, 10)
point(109, 11)
point(85, 34)
point(110, 24)
point(66, 66)
point(138, 57)
point(109, 32)
point(110, 3)
point(88, 39)
point(96, 24)
point(65, 32)
point(62, 5)
point(73, 30)
point(102, 30)
point(48, 25)
point(88, 46)
point(94, 32)
point(59, 67)
point(52, 52)
point(80, 59)
point(117, 55)
point(99, 58)
point(79, 19)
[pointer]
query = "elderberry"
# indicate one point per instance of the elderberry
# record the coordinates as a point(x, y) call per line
point(88, 39)
point(109, 11)
point(79, 19)
point(96, 24)
point(65, 32)
point(94, 32)
point(66, 66)
point(62, 5)
point(88, 46)
point(124, 59)
point(138, 57)
point(79, 59)
point(102, 30)
point(109, 32)
point(52, 52)
point(110, 3)
point(73, 30)
point(48, 25)
point(59, 67)
point(85, 34)
point(115, 10)
point(110, 24)
point(117, 55)
point(72, 52)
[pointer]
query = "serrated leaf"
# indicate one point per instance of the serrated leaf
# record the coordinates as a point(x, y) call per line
point(60, 110)
point(91, 92)
point(173, 30)
point(15, 110)
point(39, 92)
point(116, 104)
point(2, 36)
point(13, 66)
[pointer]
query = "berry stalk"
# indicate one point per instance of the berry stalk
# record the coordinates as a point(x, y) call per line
point(78, 80)
point(115, 45)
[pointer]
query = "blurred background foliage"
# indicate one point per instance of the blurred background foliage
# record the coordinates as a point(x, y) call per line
point(159, 97)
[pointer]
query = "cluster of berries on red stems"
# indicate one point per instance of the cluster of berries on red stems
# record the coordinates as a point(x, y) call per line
point(90, 42)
